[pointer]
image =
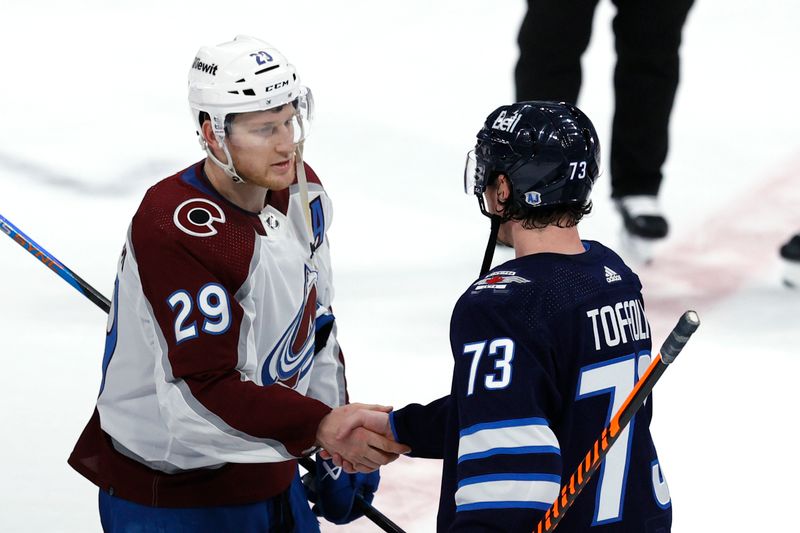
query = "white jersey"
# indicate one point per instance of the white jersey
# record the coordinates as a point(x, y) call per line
point(210, 354)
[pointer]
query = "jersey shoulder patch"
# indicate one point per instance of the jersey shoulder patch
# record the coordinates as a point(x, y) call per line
point(499, 281)
point(197, 217)
point(176, 218)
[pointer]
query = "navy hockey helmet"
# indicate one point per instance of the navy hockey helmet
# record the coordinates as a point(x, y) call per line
point(548, 150)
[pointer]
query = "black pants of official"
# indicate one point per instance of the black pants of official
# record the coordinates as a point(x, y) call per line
point(554, 35)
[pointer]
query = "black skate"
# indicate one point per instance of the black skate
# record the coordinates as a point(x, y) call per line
point(643, 226)
point(790, 252)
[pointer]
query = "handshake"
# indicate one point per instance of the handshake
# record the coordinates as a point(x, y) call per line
point(358, 438)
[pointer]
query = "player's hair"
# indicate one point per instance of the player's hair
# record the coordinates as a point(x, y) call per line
point(560, 215)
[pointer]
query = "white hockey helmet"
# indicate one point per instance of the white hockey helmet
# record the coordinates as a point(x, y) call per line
point(240, 76)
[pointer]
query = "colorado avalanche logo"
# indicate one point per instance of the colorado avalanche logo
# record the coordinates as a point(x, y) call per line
point(197, 216)
point(292, 356)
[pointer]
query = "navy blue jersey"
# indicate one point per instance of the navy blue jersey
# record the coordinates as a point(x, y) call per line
point(546, 348)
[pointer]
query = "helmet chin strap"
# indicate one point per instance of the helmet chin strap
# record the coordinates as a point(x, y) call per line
point(489, 254)
point(228, 168)
point(490, 245)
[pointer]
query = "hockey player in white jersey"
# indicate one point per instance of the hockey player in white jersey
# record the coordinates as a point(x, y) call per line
point(221, 364)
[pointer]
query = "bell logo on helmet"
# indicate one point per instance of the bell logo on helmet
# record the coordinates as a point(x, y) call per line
point(504, 123)
point(204, 67)
point(533, 198)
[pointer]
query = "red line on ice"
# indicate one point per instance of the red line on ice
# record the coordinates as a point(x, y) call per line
point(735, 244)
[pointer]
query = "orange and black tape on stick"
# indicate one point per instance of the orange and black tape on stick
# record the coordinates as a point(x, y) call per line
point(675, 342)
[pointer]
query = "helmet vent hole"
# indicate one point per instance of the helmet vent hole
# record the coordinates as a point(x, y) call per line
point(587, 139)
point(249, 92)
point(263, 70)
point(233, 92)
point(240, 81)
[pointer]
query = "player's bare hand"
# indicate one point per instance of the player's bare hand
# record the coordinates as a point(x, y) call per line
point(371, 420)
point(343, 435)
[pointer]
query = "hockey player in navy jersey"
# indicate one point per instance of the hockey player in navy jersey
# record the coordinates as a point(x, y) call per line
point(221, 364)
point(546, 348)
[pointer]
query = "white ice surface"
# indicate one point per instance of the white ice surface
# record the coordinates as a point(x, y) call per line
point(92, 111)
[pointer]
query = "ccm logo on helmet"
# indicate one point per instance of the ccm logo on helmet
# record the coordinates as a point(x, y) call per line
point(196, 217)
point(204, 67)
point(278, 85)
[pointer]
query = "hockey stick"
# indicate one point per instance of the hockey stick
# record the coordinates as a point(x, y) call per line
point(53, 264)
point(687, 324)
point(103, 303)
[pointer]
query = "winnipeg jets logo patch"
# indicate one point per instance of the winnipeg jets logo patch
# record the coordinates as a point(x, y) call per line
point(196, 217)
point(498, 281)
point(612, 276)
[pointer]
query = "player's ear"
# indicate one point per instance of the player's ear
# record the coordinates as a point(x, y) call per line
point(208, 134)
point(503, 188)
point(211, 141)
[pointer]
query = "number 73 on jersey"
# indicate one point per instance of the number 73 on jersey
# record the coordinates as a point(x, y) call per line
point(616, 378)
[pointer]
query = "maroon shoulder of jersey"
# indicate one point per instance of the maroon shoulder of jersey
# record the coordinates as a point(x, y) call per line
point(182, 212)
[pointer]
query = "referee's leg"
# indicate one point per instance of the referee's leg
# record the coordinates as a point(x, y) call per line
point(553, 36)
point(648, 37)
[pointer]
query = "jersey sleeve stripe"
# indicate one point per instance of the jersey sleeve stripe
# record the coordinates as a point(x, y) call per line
point(488, 478)
point(522, 450)
point(507, 491)
point(507, 439)
point(535, 421)
point(503, 505)
point(394, 429)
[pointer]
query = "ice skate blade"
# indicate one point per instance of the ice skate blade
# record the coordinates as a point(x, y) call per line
point(638, 250)
point(791, 274)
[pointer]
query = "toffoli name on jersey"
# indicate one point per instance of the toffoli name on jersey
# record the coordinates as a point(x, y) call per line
point(618, 323)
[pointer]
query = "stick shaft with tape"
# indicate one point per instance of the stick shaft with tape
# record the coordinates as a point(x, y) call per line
point(675, 342)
